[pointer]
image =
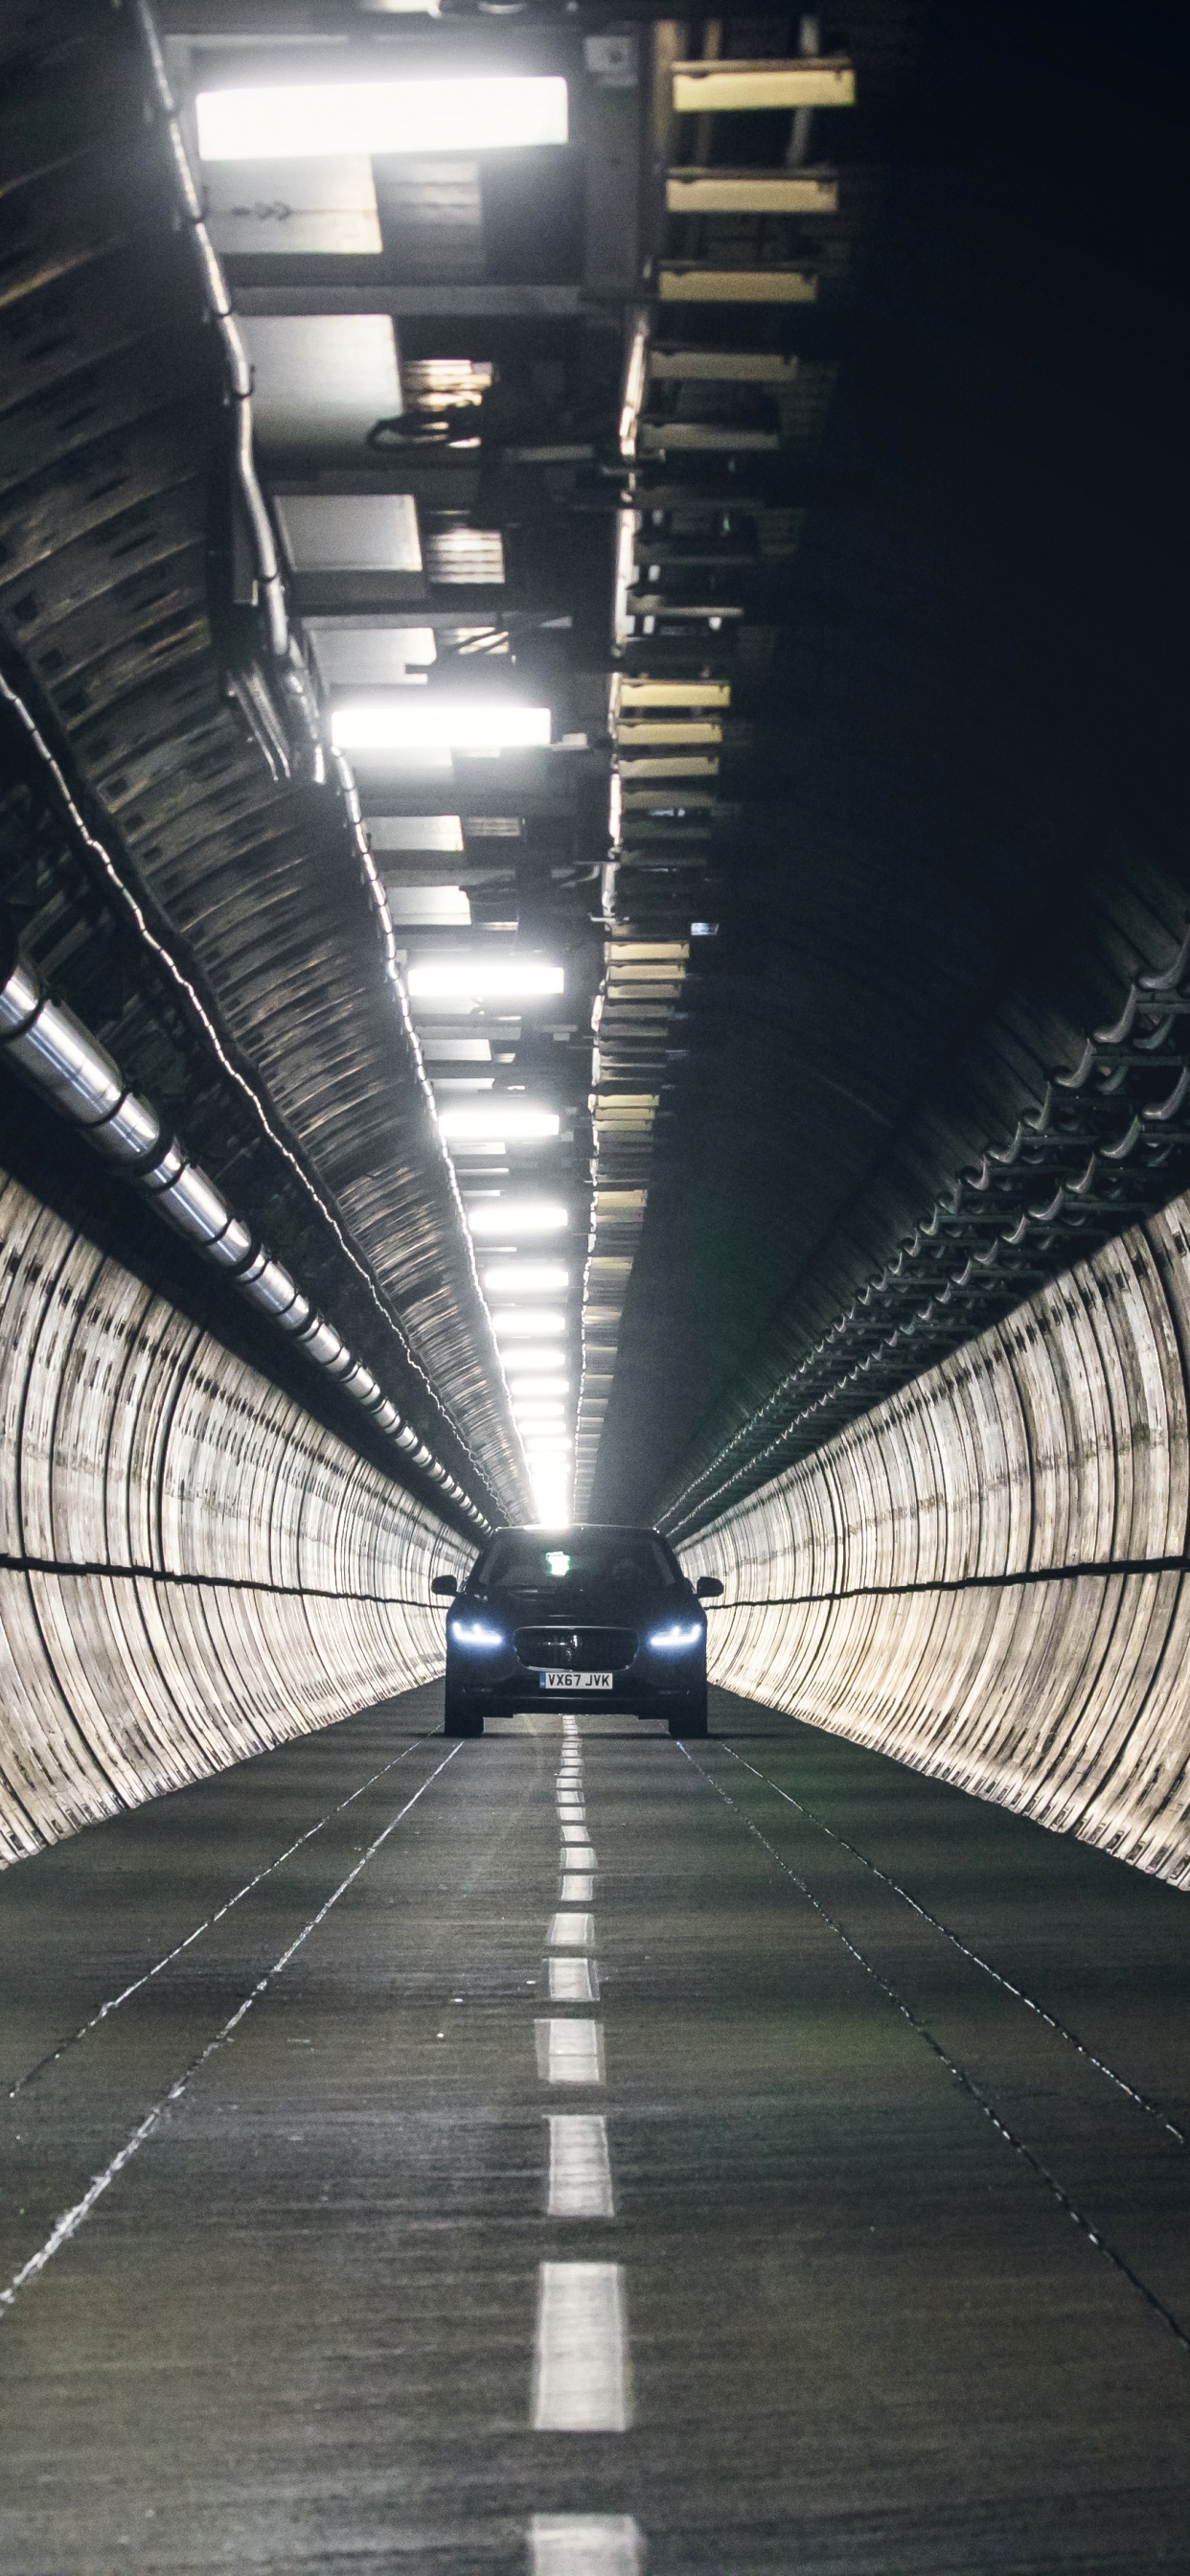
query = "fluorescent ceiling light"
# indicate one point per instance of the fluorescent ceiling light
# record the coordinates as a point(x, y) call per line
point(498, 1116)
point(484, 979)
point(525, 1278)
point(300, 121)
point(438, 724)
point(507, 1219)
point(542, 1385)
point(519, 1323)
point(540, 1356)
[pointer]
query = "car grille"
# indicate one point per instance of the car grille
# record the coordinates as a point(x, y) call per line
point(576, 1650)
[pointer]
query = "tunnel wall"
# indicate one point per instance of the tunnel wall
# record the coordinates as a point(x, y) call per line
point(191, 1567)
point(987, 1575)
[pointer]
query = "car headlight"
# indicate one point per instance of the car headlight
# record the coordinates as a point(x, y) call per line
point(475, 1632)
point(672, 1639)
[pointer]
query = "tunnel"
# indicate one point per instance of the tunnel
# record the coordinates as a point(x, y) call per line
point(594, 955)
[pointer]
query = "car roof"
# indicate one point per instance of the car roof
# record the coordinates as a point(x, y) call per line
point(576, 1529)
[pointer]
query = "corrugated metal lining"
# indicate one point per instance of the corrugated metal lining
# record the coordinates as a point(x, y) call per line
point(988, 1576)
point(632, 1020)
point(191, 1569)
point(1102, 1141)
point(111, 458)
point(957, 833)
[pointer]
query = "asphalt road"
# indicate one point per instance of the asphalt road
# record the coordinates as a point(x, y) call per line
point(794, 2180)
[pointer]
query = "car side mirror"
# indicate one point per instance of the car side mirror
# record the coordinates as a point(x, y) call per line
point(446, 1585)
point(708, 1587)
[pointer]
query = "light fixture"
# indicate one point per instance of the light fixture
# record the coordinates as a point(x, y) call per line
point(475, 1634)
point(301, 120)
point(539, 1356)
point(498, 1116)
point(473, 979)
point(530, 1386)
point(438, 723)
point(680, 1634)
point(508, 1219)
point(520, 1323)
point(540, 1411)
point(525, 1278)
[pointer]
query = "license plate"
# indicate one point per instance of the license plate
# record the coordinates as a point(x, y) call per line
point(576, 1681)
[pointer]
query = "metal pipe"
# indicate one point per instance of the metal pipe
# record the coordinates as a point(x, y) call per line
point(295, 679)
point(60, 1059)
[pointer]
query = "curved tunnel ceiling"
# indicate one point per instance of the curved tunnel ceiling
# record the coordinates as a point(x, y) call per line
point(941, 844)
point(958, 837)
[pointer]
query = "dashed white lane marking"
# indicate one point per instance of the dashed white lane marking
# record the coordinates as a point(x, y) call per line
point(574, 1981)
point(585, 2544)
point(580, 2376)
point(573, 1833)
point(71, 2220)
point(571, 1932)
point(580, 2172)
point(577, 1891)
point(569, 2052)
point(248, 1889)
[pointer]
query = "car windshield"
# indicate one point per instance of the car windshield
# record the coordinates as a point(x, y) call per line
point(616, 1561)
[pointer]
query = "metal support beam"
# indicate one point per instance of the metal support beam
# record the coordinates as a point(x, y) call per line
point(689, 282)
point(752, 192)
point(823, 80)
point(721, 367)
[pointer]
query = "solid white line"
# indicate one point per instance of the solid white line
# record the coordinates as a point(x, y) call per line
point(71, 2220)
point(114, 2001)
point(577, 1891)
point(571, 1932)
point(580, 2173)
point(574, 1981)
point(585, 2544)
point(569, 2052)
point(580, 2377)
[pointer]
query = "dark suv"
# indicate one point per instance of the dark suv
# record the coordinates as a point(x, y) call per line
point(588, 1617)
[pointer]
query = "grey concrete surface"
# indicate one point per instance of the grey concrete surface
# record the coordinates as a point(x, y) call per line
point(856, 2179)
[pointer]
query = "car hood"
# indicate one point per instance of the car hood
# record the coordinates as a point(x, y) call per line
point(565, 1602)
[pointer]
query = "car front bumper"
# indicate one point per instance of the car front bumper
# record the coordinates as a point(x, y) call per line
point(643, 1689)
